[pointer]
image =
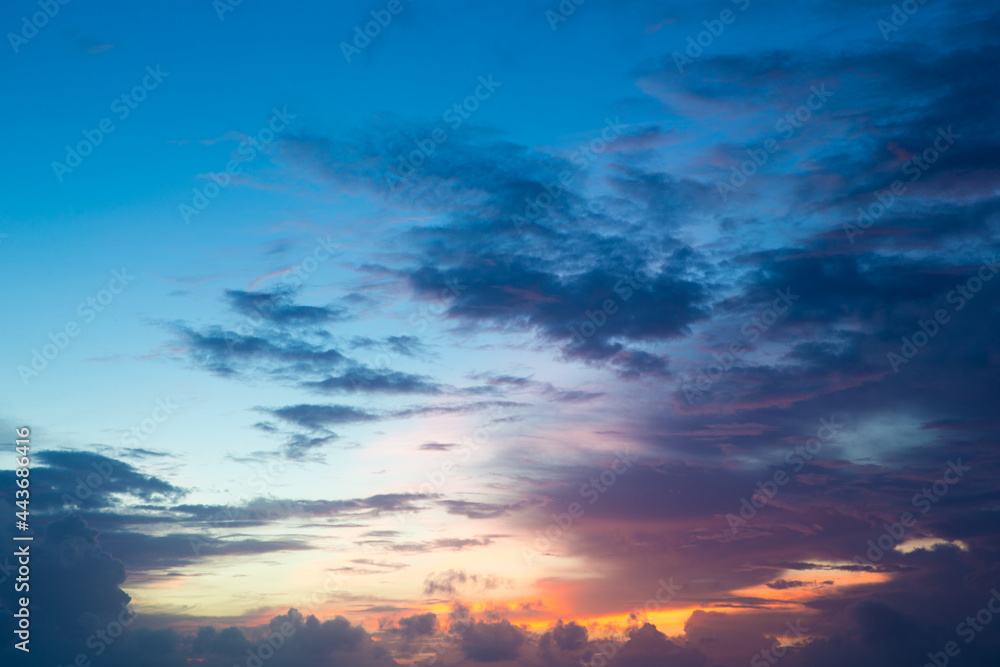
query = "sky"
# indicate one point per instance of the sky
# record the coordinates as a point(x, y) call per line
point(539, 334)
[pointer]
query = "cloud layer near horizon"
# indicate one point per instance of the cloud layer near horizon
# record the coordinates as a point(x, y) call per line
point(638, 367)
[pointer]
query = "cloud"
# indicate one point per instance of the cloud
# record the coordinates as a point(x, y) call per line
point(75, 588)
point(144, 552)
point(449, 582)
point(320, 416)
point(264, 510)
point(228, 353)
point(376, 382)
point(87, 480)
point(568, 637)
point(474, 510)
point(543, 276)
point(636, 266)
point(409, 346)
point(585, 313)
point(277, 308)
point(456, 408)
point(313, 421)
point(279, 345)
point(648, 647)
point(419, 625)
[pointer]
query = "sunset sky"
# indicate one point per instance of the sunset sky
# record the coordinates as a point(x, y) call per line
point(620, 333)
